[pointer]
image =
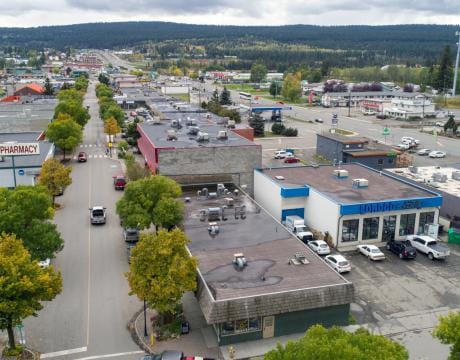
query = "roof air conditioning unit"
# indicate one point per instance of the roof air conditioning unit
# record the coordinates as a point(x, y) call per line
point(439, 177)
point(202, 136)
point(239, 261)
point(213, 229)
point(193, 130)
point(455, 175)
point(171, 135)
point(231, 124)
point(341, 174)
point(222, 134)
point(360, 183)
point(299, 259)
point(191, 122)
point(214, 214)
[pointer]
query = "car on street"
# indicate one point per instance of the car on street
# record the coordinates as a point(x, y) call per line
point(423, 152)
point(291, 160)
point(320, 247)
point(371, 251)
point(403, 146)
point(131, 235)
point(82, 156)
point(319, 120)
point(282, 154)
point(437, 154)
point(119, 182)
point(338, 263)
point(44, 263)
point(440, 123)
point(97, 215)
point(429, 246)
point(402, 248)
point(410, 139)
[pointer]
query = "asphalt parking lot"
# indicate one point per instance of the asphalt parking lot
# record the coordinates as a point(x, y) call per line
point(396, 288)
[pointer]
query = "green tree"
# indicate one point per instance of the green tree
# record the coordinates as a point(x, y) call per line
point(445, 71)
point(215, 97)
point(134, 171)
point(448, 332)
point(257, 123)
point(55, 176)
point(65, 133)
point(169, 212)
point(114, 111)
point(138, 205)
point(81, 83)
point(103, 90)
point(451, 124)
point(225, 97)
point(275, 88)
point(338, 344)
point(161, 270)
point(24, 285)
point(76, 111)
point(258, 72)
point(48, 87)
point(291, 87)
point(70, 95)
point(26, 211)
point(104, 79)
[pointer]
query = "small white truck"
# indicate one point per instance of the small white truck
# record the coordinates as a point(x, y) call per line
point(429, 246)
point(296, 225)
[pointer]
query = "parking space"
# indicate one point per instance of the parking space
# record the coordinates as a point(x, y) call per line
point(395, 288)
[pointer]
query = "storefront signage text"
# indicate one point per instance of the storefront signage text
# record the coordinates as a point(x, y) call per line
point(390, 206)
point(16, 149)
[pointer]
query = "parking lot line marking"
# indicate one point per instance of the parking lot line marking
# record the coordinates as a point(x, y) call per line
point(63, 352)
point(112, 355)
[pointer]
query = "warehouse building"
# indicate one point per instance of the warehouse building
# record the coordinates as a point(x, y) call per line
point(255, 279)
point(354, 204)
point(193, 148)
point(354, 149)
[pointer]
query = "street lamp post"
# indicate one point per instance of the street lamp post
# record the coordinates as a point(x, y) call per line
point(349, 101)
point(145, 319)
point(454, 86)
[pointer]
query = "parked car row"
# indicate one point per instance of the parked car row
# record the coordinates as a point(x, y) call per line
point(404, 249)
point(288, 156)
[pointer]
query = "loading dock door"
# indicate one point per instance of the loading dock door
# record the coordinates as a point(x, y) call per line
point(268, 327)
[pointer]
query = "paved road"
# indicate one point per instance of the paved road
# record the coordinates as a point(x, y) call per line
point(363, 125)
point(89, 318)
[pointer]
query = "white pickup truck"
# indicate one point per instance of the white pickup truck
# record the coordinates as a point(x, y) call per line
point(429, 246)
point(296, 225)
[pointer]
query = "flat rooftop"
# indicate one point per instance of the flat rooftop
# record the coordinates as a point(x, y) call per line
point(266, 245)
point(424, 175)
point(26, 117)
point(158, 133)
point(381, 187)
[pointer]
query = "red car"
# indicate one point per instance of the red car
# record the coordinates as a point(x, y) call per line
point(119, 182)
point(281, 102)
point(82, 156)
point(291, 160)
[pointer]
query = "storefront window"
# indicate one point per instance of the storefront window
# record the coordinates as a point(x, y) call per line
point(240, 326)
point(350, 230)
point(425, 218)
point(407, 224)
point(370, 228)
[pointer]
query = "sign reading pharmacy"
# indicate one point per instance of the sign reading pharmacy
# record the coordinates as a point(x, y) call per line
point(18, 149)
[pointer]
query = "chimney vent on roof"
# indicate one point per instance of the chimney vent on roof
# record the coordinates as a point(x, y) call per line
point(360, 183)
point(239, 261)
point(341, 174)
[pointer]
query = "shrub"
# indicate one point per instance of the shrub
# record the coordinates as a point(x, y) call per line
point(291, 132)
point(278, 128)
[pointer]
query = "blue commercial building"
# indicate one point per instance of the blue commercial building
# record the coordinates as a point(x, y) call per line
point(355, 204)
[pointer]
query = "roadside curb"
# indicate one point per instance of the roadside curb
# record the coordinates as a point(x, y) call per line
point(135, 335)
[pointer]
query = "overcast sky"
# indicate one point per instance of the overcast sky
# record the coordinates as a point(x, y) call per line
point(26, 13)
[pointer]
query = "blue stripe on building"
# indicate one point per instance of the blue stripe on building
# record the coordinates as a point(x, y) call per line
point(303, 191)
point(289, 212)
point(393, 205)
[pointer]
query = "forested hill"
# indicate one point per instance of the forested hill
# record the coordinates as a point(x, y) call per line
point(419, 39)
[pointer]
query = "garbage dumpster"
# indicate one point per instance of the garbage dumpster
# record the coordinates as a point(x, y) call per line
point(454, 236)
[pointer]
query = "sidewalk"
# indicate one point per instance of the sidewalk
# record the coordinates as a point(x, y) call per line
point(201, 341)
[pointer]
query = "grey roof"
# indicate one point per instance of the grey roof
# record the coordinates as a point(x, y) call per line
point(28, 160)
point(268, 284)
point(389, 94)
point(381, 187)
point(157, 133)
point(26, 117)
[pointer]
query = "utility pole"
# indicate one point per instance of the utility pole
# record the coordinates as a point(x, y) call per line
point(454, 86)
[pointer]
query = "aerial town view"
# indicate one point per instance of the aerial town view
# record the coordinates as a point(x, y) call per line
point(261, 180)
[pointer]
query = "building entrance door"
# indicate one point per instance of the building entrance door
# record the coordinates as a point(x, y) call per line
point(389, 228)
point(268, 327)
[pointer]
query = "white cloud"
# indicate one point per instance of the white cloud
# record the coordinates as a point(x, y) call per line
point(20, 13)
